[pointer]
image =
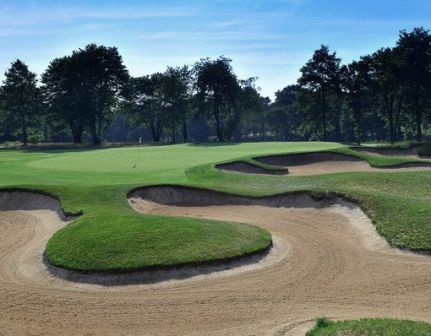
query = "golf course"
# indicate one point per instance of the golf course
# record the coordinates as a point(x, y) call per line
point(215, 168)
point(251, 238)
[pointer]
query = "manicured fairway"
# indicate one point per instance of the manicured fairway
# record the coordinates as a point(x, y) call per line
point(371, 327)
point(110, 236)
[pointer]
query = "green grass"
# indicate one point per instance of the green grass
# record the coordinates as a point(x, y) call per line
point(423, 148)
point(110, 236)
point(132, 242)
point(370, 327)
point(399, 145)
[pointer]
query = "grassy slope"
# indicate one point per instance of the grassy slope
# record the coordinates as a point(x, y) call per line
point(371, 327)
point(424, 148)
point(111, 236)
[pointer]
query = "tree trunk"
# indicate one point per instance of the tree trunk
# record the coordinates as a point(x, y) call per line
point(358, 120)
point(24, 130)
point(96, 139)
point(324, 117)
point(218, 126)
point(185, 132)
point(155, 135)
point(390, 111)
point(418, 115)
point(95, 136)
point(398, 132)
point(77, 134)
point(77, 138)
point(173, 128)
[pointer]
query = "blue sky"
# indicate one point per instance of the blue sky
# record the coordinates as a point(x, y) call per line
point(270, 39)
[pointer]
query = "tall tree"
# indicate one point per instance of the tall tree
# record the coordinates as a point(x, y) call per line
point(415, 53)
point(21, 97)
point(356, 84)
point(103, 78)
point(285, 116)
point(320, 79)
point(253, 110)
point(385, 75)
point(83, 88)
point(147, 104)
point(176, 90)
point(217, 93)
point(65, 95)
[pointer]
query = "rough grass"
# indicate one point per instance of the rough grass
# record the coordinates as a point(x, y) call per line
point(111, 236)
point(370, 327)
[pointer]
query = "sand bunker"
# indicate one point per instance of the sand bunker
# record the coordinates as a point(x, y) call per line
point(336, 266)
point(249, 168)
point(411, 152)
point(327, 162)
point(27, 200)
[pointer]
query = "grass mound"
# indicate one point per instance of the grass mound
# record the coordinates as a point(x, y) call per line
point(136, 242)
point(370, 327)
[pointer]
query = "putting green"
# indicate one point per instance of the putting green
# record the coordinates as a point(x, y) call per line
point(157, 161)
point(117, 238)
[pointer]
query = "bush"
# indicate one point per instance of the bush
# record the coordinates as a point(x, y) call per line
point(425, 150)
point(35, 137)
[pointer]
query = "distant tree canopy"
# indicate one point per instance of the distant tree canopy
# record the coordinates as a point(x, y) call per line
point(83, 88)
point(161, 101)
point(218, 94)
point(21, 99)
point(320, 82)
point(89, 96)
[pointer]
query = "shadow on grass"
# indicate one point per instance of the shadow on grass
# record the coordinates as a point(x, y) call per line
point(214, 144)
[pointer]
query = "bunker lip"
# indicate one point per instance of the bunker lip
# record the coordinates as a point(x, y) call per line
point(165, 275)
point(299, 159)
point(327, 162)
point(186, 196)
point(250, 168)
point(146, 199)
point(13, 199)
point(412, 152)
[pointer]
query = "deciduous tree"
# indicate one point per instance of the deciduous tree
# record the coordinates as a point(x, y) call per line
point(21, 97)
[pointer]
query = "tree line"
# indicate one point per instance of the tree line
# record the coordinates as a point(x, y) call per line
point(90, 96)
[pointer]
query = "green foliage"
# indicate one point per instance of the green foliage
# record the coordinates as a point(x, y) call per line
point(319, 82)
point(83, 88)
point(425, 150)
point(218, 94)
point(322, 322)
point(383, 96)
point(21, 98)
point(35, 137)
point(370, 327)
point(161, 101)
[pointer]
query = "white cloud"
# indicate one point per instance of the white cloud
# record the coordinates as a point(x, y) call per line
point(15, 17)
